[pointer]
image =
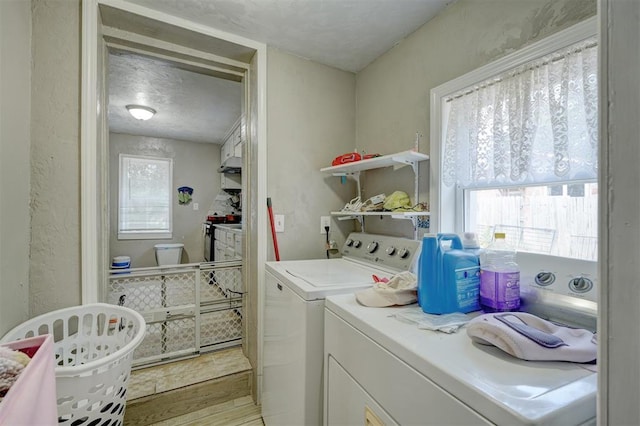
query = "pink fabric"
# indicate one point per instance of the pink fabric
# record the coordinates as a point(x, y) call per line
point(32, 398)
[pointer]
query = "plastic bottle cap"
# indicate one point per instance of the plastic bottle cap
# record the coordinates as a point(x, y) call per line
point(469, 240)
point(499, 235)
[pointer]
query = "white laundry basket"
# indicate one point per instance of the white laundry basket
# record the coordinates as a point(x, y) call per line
point(93, 347)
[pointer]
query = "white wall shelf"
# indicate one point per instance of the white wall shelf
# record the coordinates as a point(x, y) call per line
point(395, 215)
point(406, 158)
point(398, 160)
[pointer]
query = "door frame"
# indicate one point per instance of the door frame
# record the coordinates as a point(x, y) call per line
point(94, 137)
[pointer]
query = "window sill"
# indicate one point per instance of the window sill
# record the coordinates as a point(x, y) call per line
point(145, 235)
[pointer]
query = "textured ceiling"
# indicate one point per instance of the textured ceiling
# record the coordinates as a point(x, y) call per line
point(190, 106)
point(345, 34)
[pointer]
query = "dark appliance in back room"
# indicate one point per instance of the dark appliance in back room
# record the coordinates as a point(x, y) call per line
point(208, 241)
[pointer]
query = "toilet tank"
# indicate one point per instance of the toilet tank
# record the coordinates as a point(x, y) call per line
point(168, 254)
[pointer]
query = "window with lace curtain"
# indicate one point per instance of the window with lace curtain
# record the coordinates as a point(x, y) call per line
point(144, 209)
point(518, 148)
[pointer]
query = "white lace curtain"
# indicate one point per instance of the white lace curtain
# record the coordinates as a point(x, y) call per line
point(534, 124)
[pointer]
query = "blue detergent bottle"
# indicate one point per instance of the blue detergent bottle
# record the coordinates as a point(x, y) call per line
point(448, 278)
point(428, 273)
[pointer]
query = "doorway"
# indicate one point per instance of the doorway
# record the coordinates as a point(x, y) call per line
point(195, 113)
point(118, 24)
point(164, 182)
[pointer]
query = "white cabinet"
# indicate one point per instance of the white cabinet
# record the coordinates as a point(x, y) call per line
point(228, 243)
point(238, 244)
point(353, 170)
point(231, 158)
point(225, 152)
point(238, 138)
point(238, 144)
point(231, 150)
point(230, 181)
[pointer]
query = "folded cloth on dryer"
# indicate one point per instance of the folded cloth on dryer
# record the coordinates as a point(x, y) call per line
point(401, 289)
point(445, 323)
point(529, 337)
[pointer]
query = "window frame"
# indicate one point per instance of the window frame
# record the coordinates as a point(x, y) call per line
point(140, 234)
point(445, 200)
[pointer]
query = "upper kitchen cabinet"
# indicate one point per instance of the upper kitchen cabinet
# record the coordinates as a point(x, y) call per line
point(231, 151)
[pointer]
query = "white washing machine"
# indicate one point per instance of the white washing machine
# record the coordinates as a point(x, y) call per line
point(293, 348)
point(390, 372)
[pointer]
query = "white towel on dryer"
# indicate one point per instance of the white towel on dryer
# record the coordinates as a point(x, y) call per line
point(532, 338)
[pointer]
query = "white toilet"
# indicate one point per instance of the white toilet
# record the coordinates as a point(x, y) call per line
point(168, 254)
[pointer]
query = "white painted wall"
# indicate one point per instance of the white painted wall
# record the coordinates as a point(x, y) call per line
point(393, 92)
point(55, 169)
point(194, 165)
point(15, 115)
point(311, 120)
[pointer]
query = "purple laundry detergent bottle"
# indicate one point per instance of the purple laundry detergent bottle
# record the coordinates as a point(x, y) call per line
point(499, 277)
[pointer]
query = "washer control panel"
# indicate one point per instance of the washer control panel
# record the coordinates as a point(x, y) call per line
point(562, 289)
point(549, 274)
point(385, 251)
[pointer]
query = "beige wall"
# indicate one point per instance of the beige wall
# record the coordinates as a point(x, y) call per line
point(15, 85)
point(194, 165)
point(393, 92)
point(311, 120)
point(55, 153)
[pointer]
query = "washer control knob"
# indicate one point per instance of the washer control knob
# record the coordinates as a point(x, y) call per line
point(545, 278)
point(580, 284)
point(403, 253)
point(372, 247)
point(357, 243)
point(391, 250)
point(349, 242)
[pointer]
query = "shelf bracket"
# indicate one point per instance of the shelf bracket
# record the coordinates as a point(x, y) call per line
point(401, 162)
point(357, 217)
point(355, 176)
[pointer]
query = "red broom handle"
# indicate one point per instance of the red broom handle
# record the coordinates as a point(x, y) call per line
point(273, 230)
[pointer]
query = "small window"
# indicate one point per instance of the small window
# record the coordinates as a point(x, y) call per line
point(518, 149)
point(144, 210)
point(559, 220)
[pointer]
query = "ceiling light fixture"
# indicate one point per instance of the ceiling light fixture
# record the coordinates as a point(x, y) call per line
point(140, 112)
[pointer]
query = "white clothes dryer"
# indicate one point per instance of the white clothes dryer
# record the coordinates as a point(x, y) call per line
point(391, 372)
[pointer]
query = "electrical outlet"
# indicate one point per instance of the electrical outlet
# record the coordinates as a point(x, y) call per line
point(196, 206)
point(324, 221)
point(278, 220)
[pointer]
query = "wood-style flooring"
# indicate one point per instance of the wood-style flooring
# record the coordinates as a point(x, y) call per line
point(212, 389)
point(238, 412)
point(166, 377)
